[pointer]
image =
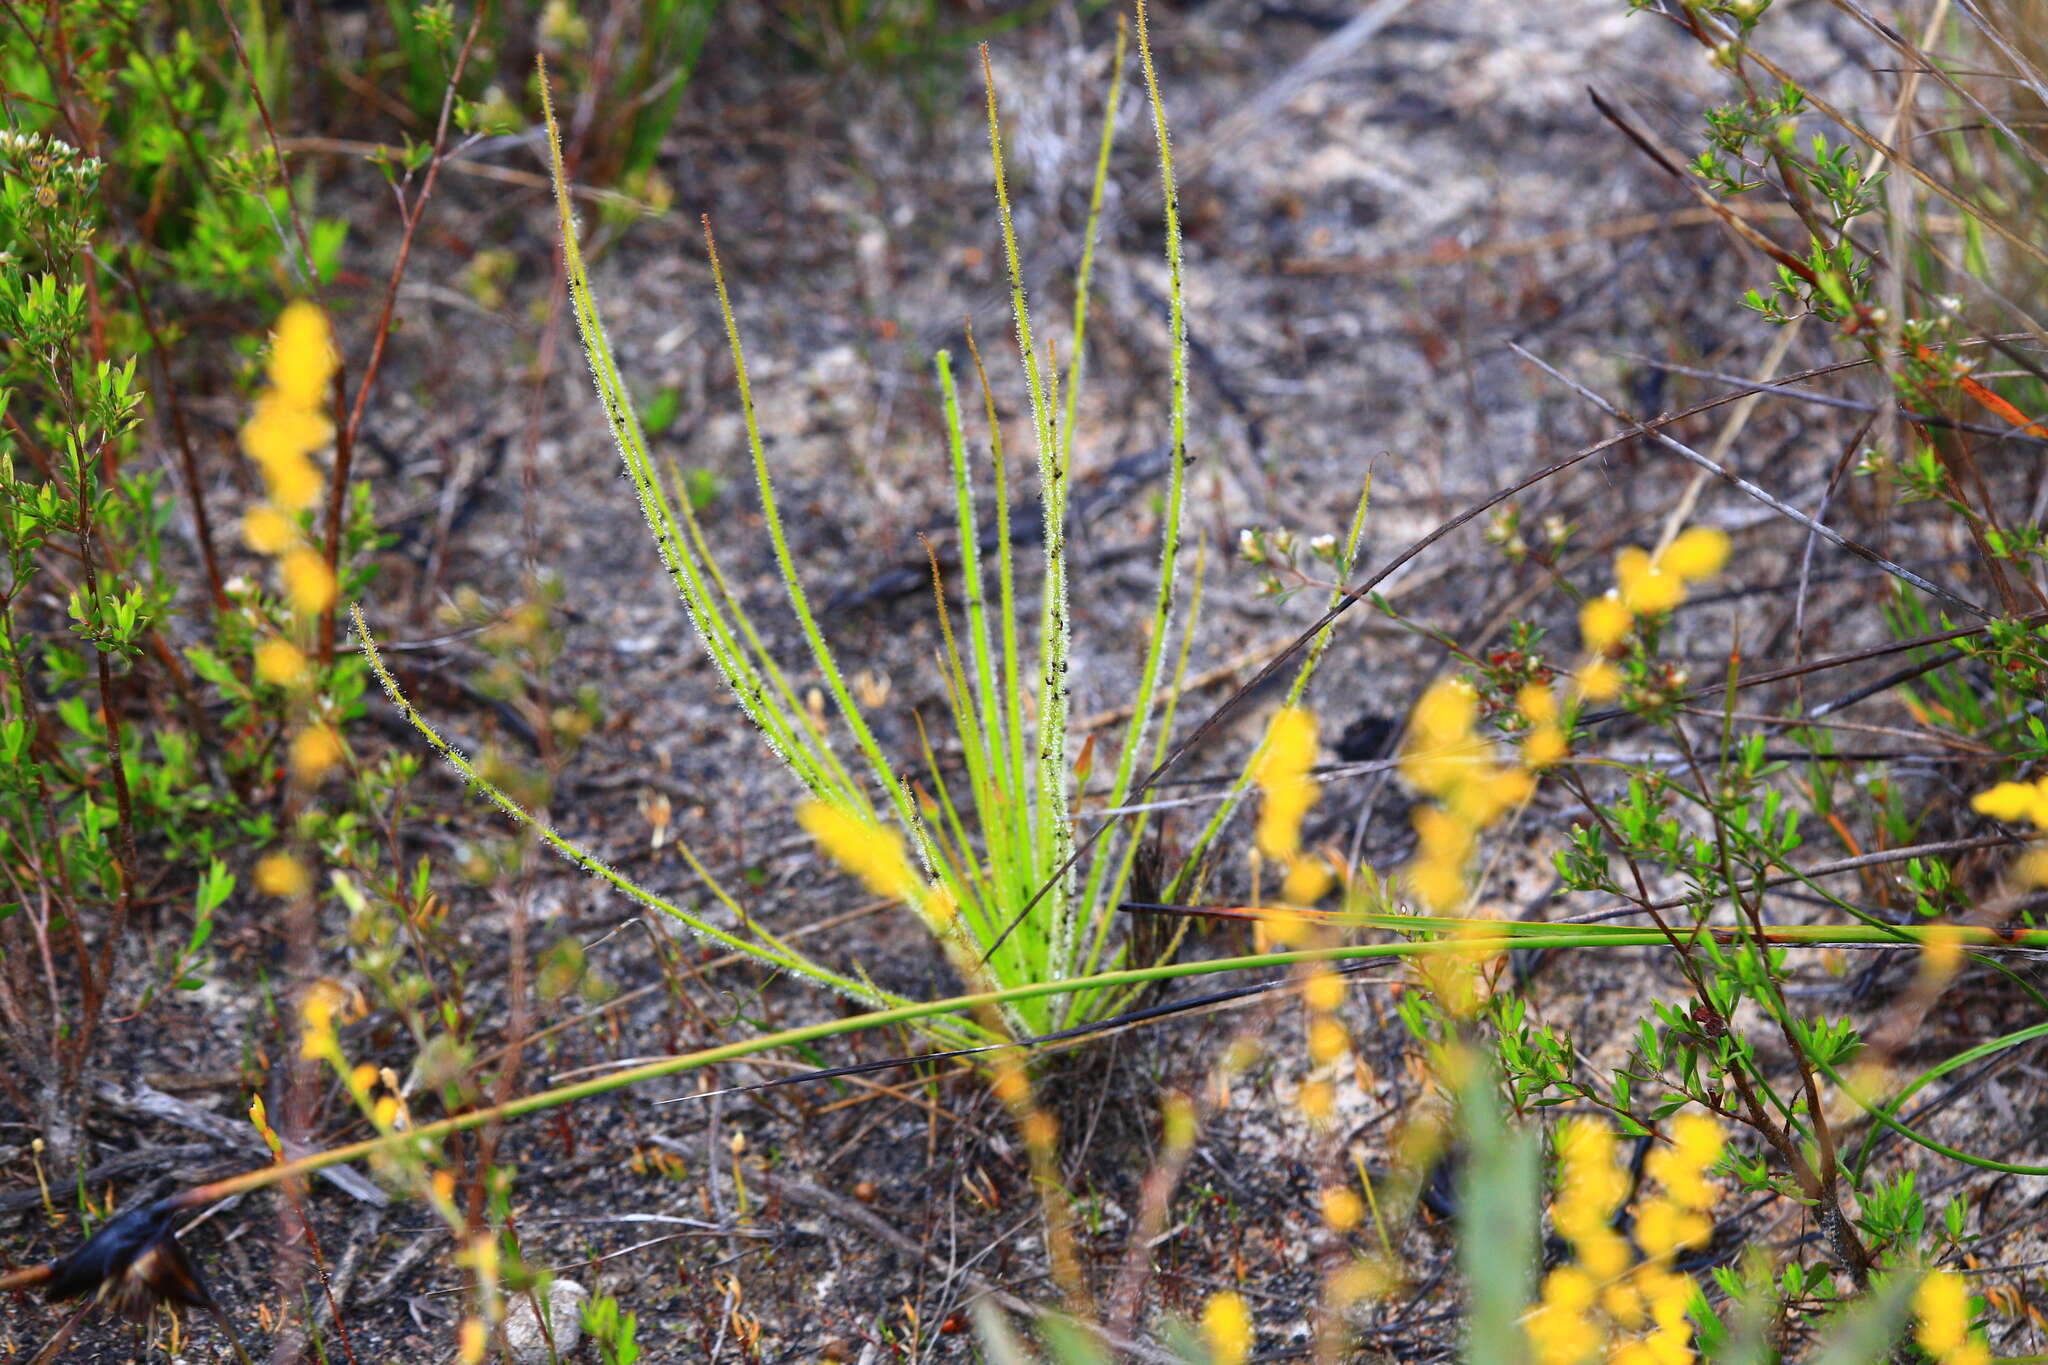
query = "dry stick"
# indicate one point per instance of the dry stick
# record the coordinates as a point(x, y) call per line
point(1742, 485)
point(1448, 254)
point(1820, 511)
point(1924, 65)
point(345, 442)
point(481, 170)
point(1830, 400)
point(124, 825)
point(1725, 439)
point(1991, 33)
point(181, 437)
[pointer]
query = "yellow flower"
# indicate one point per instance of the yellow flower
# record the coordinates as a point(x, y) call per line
point(267, 530)
point(1545, 746)
point(1010, 1086)
point(308, 582)
point(1287, 930)
point(1343, 1210)
point(1942, 1303)
point(2014, 801)
point(1286, 803)
point(2030, 869)
point(1438, 882)
point(279, 429)
point(1492, 793)
point(316, 1013)
point(1699, 552)
point(1446, 713)
point(1357, 1280)
point(283, 876)
point(1698, 1139)
point(2006, 801)
point(280, 661)
point(473, 1340)
point(302, 357)
point(1598, 680)
point(293, 482)
point(1670, 1295)
point(1308, 880)
point(1322, 990)
point(1434, 770)
point(1227, 1327)
point(1290, 748)
point(1317, 1100)
point(1039, 1130)
point(1441, 834)
point(1536, 703)
point(1671, 1346)
point(1591, 1184)
point(1604, 623)
point(869, 852)
point(1662, 1227)
point(1327, 1041)
point(1569, 1288)
point(1646, 589)
point(1561, 1329)
point(315, 751)
point(1696, 1144)
point(1282, 774)
point(1602, 1251)
point(1622, 1301)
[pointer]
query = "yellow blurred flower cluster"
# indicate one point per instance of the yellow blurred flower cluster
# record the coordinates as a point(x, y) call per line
point(317, 1039)
point(1942, 1303)
point(1285, 775)
point(1329, 1042)
point(2015, 801)
point(289, 423)
point(1645, 585)
point(875, 855)
point(1227, 1328)
point(1447, 760)
point(287, 426)
point(1546, 744)
point(1592, 1307)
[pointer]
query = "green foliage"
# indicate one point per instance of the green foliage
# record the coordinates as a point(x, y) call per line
point(885, 34)
point(140, 751)
point(1729, 818)
point(1497, 1208)
point(612, 1330)
point(636, 64)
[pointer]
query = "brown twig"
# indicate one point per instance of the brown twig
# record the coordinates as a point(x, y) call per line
point(345, 439)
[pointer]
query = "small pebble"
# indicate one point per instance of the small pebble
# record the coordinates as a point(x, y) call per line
point(525, 1343)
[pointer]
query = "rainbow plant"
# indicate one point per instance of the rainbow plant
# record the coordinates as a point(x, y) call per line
point(991, 864)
